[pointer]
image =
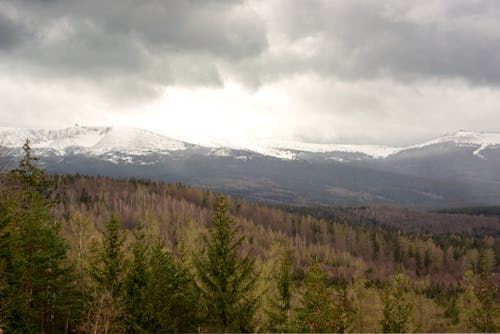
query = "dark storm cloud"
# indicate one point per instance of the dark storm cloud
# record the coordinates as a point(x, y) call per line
point(326, 69)
point(10, 33)
point(154, 43)
point(191, 42)
point(403, 40)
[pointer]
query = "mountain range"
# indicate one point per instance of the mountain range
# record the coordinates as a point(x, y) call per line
point(457, 169)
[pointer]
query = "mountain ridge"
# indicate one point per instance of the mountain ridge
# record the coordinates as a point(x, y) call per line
point(134, 140)
point(458, 169)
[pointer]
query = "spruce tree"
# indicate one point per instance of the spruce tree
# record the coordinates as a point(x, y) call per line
point(136, 284)
point(107, 270)
point(323, 308)
point(279, 314)
point(225, 278)
point(158, 294)
point(171, 299)
point(38, 290)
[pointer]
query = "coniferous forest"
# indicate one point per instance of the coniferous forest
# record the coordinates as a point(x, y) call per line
point(98, 255)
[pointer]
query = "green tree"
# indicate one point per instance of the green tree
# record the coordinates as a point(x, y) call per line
point(171, 303)
point(396, 307)
point(38, 292)
point(279, 315)
point(365, 302)
point(159, 293)
point(324, 309)
point(136, 284)
point(480, 302)
point(226, 279)
point(107, 270)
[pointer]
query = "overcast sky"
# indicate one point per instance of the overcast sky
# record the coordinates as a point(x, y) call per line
point(351, 71)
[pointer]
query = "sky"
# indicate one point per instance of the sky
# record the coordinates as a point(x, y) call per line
point(352, 71)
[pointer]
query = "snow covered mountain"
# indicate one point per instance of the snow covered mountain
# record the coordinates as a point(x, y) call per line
point(478, 140)
point(101, 140)
point(462, 168)
point(93, 140)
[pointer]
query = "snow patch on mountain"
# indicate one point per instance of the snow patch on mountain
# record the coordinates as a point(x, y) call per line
point(289, 150)
point(375, 151)
point(461, 138)
point(92, 140)
point(132, 141)
point(58, 140)
point(466, 138)
point(125, 139)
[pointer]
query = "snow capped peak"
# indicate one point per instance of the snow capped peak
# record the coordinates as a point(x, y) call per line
point(54, 139)
point(479, 140)
point(463, 138)
point(92, 139)
point(135, 140)
point(103, 140)
point(466, 138)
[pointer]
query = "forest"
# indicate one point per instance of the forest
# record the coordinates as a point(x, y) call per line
point(85, 254)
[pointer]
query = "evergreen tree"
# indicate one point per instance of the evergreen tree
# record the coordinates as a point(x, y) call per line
point(107, 270)
point(136, 284)
point(38, 293)
point(396, 308)
point(323, 309)
point(171, 303)
point(159, 293)
point(480, 302)
point(343, 311)
point(225, 278)
point(279, 315)
point(365, 302)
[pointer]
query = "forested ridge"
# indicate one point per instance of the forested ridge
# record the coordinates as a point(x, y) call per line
point(100, 255)
point(479, 222)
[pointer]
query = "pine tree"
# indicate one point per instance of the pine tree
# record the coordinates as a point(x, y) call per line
point(225, 278)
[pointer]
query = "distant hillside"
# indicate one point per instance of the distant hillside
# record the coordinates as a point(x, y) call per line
point(487, 211)
point(456, 170)
point(479, 222)
point(325, 232)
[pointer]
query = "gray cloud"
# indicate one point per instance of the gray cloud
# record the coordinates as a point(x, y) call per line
point(380, 64)
point(351, 40)
point(10, 33)
point(405, 41)
point(154, 43)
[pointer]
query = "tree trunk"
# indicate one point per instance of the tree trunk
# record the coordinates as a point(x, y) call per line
point(41, 319)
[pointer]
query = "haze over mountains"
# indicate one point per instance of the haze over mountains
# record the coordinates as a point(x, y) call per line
point(457, 169)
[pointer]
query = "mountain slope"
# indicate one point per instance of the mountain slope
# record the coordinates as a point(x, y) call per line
point(91, 139)
point(456, 170)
